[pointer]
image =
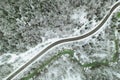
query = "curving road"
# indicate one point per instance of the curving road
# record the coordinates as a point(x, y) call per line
point(13, 75)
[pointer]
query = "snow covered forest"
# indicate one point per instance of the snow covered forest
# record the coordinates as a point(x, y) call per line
point(26, 26)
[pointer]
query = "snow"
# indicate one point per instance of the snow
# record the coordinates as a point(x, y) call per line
point(50, 36)
point(72, 77)
point(116, 74)
point(79, 15)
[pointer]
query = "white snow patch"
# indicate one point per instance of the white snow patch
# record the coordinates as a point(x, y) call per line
point(116, 74)
point(99, 55)
point(13, 58)
point(72, 77)
point(79, 15)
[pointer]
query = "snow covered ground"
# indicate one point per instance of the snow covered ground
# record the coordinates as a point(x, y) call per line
point(78, 19)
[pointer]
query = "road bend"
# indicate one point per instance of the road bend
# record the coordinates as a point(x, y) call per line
point(101, 23)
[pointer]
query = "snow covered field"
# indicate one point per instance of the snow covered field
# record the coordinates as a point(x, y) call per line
point(64, 19)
